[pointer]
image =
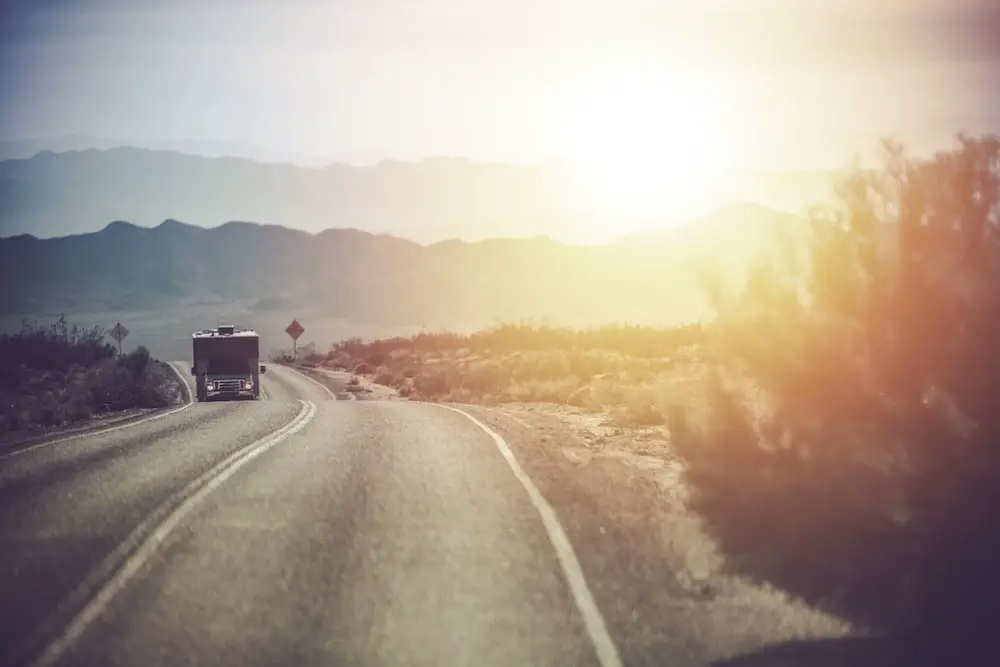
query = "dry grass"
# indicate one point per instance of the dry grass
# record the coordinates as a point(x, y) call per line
point(634, 375)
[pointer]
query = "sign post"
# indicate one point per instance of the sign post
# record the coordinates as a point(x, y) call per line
point(119, 333)
point(295, 330)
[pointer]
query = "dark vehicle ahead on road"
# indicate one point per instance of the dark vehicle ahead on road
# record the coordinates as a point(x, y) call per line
point(226, 363)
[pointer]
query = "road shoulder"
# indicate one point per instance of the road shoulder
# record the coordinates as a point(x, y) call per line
point(657, 578)
point(347, 386)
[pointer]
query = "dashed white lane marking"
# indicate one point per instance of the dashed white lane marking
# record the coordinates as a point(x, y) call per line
point(597, 630)
point(102, 431)
point(141, 546)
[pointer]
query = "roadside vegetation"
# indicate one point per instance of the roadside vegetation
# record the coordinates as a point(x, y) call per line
point(838, 422)
point(56, 375)
point(628, 370)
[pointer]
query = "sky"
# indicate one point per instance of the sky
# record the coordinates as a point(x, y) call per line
point(772, 83)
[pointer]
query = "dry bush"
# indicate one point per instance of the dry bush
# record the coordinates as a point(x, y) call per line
point(861, 470)
point(385, 377)
point(281, 357)
point(524, 363)
point(52, 376)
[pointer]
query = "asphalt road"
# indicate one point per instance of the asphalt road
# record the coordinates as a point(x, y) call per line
point(363, 533)
point(296, 530)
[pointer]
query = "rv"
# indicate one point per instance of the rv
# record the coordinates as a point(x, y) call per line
point(226, 363)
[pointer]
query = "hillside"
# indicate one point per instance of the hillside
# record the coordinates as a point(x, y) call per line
point(359, 277)
point(58, 194)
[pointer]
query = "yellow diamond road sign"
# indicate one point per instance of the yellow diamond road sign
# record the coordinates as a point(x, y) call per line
point(295, 330)
point(119, 332)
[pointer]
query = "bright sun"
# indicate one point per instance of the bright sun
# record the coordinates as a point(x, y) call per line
point(646, 143)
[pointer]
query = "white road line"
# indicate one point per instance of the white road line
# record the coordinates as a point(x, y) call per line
point(597, 631)
point(143, 547)
point(102, 431)
point(314, 381)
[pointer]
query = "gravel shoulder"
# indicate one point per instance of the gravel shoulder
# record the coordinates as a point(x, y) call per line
point(656, 576)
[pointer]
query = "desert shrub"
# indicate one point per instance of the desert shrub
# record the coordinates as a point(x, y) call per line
point(54, 375)
point(309, 354)
point(136, 361)
point(541, 391)
point(588, 363)
point(282, 357)
point(484, 377)
point(556, 351)
point(385, 377)
point(852, 449)
point(116, 386)
point(435, 382)
point(522, 362)
point(54, 348)
point(630, 340)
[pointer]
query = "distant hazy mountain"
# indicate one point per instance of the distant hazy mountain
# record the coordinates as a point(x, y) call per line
point(20, 149)
point(361, 277)
point(57, 194)
point(26, 148)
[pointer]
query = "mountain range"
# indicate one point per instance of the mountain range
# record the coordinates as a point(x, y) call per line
point(364, 277)
point(54, 194)
point(19, 149)
point(369, 251)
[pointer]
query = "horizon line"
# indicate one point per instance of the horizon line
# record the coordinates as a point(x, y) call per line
point(312, 161)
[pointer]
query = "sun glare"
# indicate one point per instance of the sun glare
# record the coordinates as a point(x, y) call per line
point(646, 144)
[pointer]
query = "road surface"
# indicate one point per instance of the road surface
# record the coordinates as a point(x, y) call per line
point(296, 530)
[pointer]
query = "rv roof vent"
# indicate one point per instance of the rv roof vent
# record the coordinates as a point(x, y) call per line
point(226, 329)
